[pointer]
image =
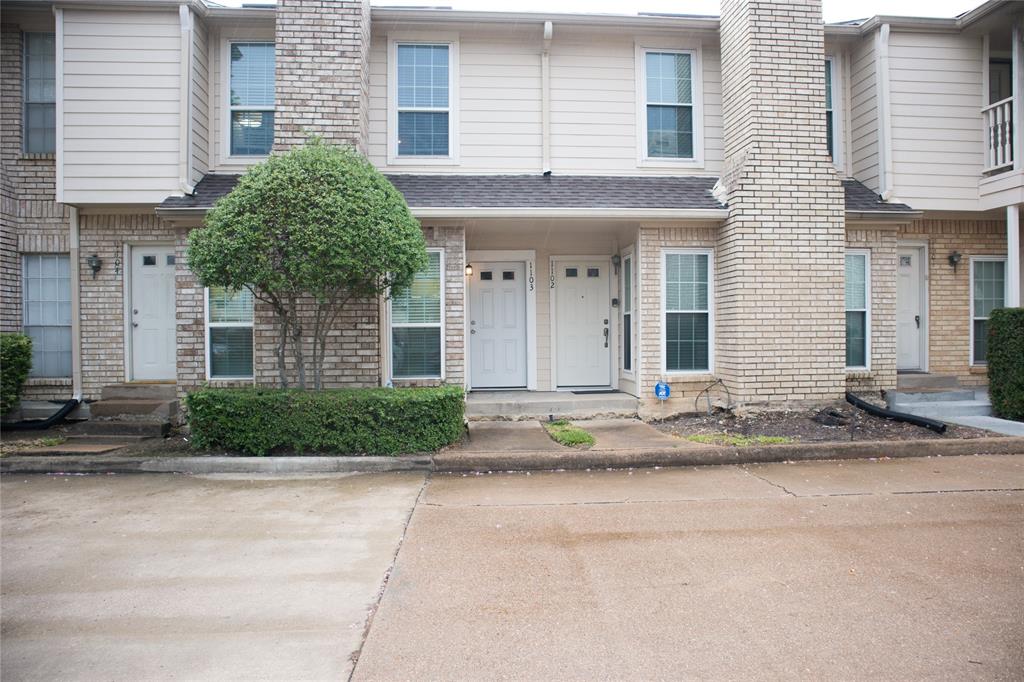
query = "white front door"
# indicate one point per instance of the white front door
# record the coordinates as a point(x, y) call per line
point(582, 317)
point(497, 325)
point(910, 322)
point(152, 316)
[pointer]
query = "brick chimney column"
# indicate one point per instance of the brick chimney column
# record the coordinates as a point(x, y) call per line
point(780, 302)
point(322, 75)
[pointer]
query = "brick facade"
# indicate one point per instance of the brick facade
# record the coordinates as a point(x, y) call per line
point(881, 242)
point(780, 318)
point(322, 74)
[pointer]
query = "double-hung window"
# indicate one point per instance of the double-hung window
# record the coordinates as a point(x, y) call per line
point(46, 312)
point(417, 334)
point(40, 94)
point(670, 106)
point(423, 99)
point(688, 295)
point(858, 307)
point(627, 312)
point(229, 339)
point(251, 95)
point(830, 118)
point(988, 292)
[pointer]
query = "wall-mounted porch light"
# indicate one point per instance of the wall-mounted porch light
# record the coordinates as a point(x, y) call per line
point(954, 259)
point(95, 263)
point(469, 271)
point(616, 262)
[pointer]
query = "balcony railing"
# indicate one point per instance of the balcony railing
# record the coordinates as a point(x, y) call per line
point(998, 135)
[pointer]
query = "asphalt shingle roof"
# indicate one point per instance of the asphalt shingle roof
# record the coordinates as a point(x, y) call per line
point(538, 191)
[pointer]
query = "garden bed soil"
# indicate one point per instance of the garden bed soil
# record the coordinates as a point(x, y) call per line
point(801, 427)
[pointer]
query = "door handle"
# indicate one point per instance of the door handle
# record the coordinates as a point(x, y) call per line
point(135, 324)
point(606, 337)
point(917, 321)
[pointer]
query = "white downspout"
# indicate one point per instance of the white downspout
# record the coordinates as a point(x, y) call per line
point(185, 99)
point(545, 76)
point(76, 307)
point(885, 172)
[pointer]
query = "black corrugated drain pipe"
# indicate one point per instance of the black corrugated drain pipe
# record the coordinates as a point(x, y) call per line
point(41, 424)
point(933, 424)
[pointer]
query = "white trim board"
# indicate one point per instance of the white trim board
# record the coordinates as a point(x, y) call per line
point(529, 258)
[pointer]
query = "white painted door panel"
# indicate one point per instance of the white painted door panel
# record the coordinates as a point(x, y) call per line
point(497, 325)
point(152, 315)
point(909, 313)
point(582, 316)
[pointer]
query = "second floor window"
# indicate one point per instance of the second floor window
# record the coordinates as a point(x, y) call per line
point(669, 103)
point(252, 98)
point(830, 117)
point(423, 103)
point(40, 94)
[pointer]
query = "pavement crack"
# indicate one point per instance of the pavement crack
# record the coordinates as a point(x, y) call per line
point(354, 656)
point(771, 483)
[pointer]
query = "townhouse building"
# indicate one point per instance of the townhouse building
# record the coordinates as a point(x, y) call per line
point(792, 208)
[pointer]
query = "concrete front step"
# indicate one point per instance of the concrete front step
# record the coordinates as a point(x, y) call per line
point(519, 405)
point(925, 382)
point(895, 397)
point(946, 409)
point(100, 438)
point(164, 409)
point(121, 427)
point(140, 391)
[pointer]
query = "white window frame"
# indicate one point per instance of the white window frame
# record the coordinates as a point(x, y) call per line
point(866, 253)
point(452, 41)
point(227, 108)
point(207, 326)
point(697, 85)
point(970, 293)
point(710, 253)
point(627, 256)
point(441, 327)
point(24, 93)
point(838, 146)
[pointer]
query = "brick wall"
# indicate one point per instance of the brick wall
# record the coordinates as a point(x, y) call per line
point(322, 78)
point(780, 318)
point(949, 292)
point(881, 242)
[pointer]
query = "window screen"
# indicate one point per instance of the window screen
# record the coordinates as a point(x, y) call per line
point(40, 93)
point(856, 310)
point(988, 292)
point(230, 333)
point(416, 315)
point(46, 312)
point(252, 98)
point(687, 312)
point(669, 105)
point(423, 106)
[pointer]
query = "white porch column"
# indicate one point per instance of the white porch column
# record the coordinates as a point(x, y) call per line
point(1013, 256)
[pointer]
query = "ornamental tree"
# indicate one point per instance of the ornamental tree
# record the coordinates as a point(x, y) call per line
point(309, 231)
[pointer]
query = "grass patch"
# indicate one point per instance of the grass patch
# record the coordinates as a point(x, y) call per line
point(12, 447)
point(568, 434)
point(734, 440)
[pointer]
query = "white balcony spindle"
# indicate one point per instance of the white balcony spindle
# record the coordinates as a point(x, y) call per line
point(999, 134)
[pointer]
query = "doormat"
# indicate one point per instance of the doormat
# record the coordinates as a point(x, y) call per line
point(600, 390)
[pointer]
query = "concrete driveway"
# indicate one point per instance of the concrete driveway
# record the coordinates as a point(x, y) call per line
point(898, 569)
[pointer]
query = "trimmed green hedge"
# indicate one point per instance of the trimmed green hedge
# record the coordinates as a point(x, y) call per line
point(15, 363)
point(372, 421)
point(1006, 362)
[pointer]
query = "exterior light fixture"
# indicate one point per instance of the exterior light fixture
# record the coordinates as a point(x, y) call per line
point(469, 271)
point(95, 263)
point(954, 259)
point(616, 262)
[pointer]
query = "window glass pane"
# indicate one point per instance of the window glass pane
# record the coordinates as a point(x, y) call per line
point(668, 78)
point(830, 133)
point(252, 133)
point(856, 339)
point(856, 282)
point(627, 285)
point(230, 352)
point(230, 306)
point(46, 313)
point(828, 84)
point(422, 133)
point(421, 302)
point(686, 341)
point(980, 331)
point(423, 76)
point(627, 341)
point(416, 352)
point(39, 88)
point(252, 74)
point(989, 286)
point(686, 281)
point(670, 131)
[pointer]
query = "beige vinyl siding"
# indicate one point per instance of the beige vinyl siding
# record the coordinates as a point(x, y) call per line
point(937, 146)
point(593, 103)
point(499, 108)
point(863, 114)
point(121, 106)
point(200, 101)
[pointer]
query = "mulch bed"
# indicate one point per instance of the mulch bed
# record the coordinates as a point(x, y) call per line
point(801, 426)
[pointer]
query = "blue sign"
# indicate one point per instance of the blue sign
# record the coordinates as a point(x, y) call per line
point(662, 390)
